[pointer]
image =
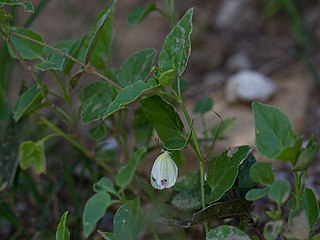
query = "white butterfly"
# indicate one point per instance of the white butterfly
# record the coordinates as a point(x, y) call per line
point(164, 172)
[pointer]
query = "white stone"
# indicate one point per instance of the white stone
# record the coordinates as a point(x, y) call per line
point(249, 86)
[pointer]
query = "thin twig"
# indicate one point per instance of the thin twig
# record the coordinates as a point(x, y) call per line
point(87, 67)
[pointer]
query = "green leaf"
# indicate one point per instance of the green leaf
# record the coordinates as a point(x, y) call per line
point(95, 100)
point(223, 170)
point(126, 173)
point(167, 77)
point(26, 101)
point(273, 131)
point(226, 232)
point(137, 14)
point(310, 204)
point(257, 193)
point(136, 67)
point(27, 5)
point(175, 143)
point(98, 132)
point(94, 210)
point(221, 129)
point(105, 185)
point(130, 94)
point(272, 229)
point(127, 221)
point(142, 128)
point(274, 214)
point(55, 61)
point(279, 191)
point(203, 105)
point(244, 181)
point(164, 117)
point(177, 46)
point(221, 210)
point(97, 30)
point(306, 155)
point(262, 172)
point(4, 19)
point(187, 180)
point(189, 198)
point(27, 49)
point(62, 232)
point(31, 154)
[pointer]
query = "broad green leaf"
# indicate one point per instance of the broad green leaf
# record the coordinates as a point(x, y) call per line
point(279, 191)
point(272, 229)
point(130, 94)
point(175, 143)
point(126, 173)
point(203, 105)
point(136, 67)
point(177, 46)
point(220, 210)
point(55, 61)
point(221, 129)
point(98, 29)
point(137, 14)
point(244, 181)
point(273, 131)
point(105, 185)
point(31, 154)
point(189, 198)
point(27, 49)
point(227, 232)
point(95, 100)
point(291, 153)
point(98, 132)
point(127, 221)
point(310, 204)
point(26, 101)
point(257, 193)
point(142, 128)
point(262, 172)
point(164, 117)
point(223, 170)
point(94, 210)
point(306, 155)
point(187, 180)
point(106, 155)
point(62, 232)
point(27, 5)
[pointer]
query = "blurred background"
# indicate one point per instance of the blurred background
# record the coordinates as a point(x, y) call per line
point(242, 50)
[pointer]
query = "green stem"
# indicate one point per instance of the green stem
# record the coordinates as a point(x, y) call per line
point(297, 189)
point(196, 147)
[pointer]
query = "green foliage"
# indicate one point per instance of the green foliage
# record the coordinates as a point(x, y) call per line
point(62, 232)
point(31, 154)
point(137, 14)
point(130, 94)
point(177, 47)
point(98, 132)
point(255, 194)
point(306, 155)
point(223, 170)
point(310, 204)
point(279, 191)
point(163, 116)
point(27, 5)
point(273, 131)
point(25, 48)
point(137, 67)
point(227, 232)
point(126, 173)
point(262, 172)
point(203, 105)
point(105, 185)
point(95, 100)
point(94, 210)
point(27, 102)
